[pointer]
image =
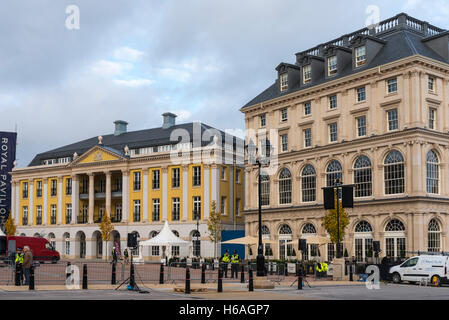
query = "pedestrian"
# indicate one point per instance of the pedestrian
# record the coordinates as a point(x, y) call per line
point(385, 265)
point(27, 263)
point(114, 255)
point(234, 265)
point(18, 261)
point(225, 261)
point(125, 254)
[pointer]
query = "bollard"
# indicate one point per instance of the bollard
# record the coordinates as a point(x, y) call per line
point(18, 277)
point(242, 276)
point(187, 280)
point(220, 280)
point(161, 275)
point(31, 285)
point(114, 277)
point(132, 281)
point(271, 268)
point(203, 273)
point(251, 284)
point(85, 277)
point(300, 279)
point(350, 273)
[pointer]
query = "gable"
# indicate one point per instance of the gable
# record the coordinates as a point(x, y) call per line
point(98, 154)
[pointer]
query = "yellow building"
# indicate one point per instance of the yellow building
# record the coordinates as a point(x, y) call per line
point(141, 179)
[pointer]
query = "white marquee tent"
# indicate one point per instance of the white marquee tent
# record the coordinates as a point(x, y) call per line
point(165, 238)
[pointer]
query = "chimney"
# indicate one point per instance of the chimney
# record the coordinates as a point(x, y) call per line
point(169, 120)
point(120, 127)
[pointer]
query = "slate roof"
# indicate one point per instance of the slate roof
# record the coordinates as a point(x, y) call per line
point(401, 42)
point(134, 139)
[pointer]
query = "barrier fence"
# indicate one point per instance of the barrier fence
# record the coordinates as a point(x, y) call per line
point(101, 272)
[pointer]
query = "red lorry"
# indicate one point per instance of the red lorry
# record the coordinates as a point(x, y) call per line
point(42, 249)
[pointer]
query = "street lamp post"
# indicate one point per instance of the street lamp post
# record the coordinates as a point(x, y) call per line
point(260, 258)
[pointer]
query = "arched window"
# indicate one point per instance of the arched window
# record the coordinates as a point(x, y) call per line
point(265, 189)
point(309, 229)
point(67, 243)
point(433, 236)
point(363, 241)
point(51, 238)
point(308, 184)
point(362, 177)
point(334, 171)
point(394, 173)
point(432, 172)
point(265, 231)
point(285, 235)
point(395, 239)
point(312, 249)
point(285, 186)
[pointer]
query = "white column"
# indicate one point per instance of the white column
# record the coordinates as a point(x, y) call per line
point(185, 192)
point(108, 192)
point(17, 215)
point(145, 195)
point(13, 200)
point(75, 198)
point(247, 183)
point(164, 201)
point(215, 186)
point(125, 198)
point(45, 206)
point(206, 192)
point(91, 197)
point(60, 203)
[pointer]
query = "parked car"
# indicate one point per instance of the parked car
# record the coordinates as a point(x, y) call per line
point(42, 249)
point(433, 268)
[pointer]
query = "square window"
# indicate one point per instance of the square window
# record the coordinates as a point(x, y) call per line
point(263, 120)
point(284, 115)
point(283, 79)
point(307, 108)
point(392, 85)
point(360, 56)
point(332, 65)
point(361, 126)
point(333, 102)
point(307, 137)
point(284, 142)
point(392, 119)
point(431, 84)
point(307, 74)
point(333, 132)
point(432, 118)
point(361, 94)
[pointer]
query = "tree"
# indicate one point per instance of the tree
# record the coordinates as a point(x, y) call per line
point(10, 226)
point(330, 222)
point(106, 228)
point(214, 226)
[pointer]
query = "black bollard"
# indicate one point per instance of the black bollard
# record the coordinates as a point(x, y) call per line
point(187, 280)
point(220, 280)
point(242, 276)
point(132, 280)
point(350, 273)
point(18, 277)
point(251, 284)
point(271, 268)
point(300, 279)
point(203, 273)
point(114, 277)
point(31, 285)
point(85, 277)
point(161, 275)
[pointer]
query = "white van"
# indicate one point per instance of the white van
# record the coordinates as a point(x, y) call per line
point(433, 268)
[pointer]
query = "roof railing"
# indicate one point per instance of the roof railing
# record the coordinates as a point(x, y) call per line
point(401, 20)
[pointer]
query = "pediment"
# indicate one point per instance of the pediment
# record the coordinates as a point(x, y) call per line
point(99, 154)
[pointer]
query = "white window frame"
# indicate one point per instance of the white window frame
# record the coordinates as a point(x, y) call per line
point(392, 83)
point(390, 121)
point(332, 132)
point(332, 66)
point(307, 74)
point(307, 134)
point(360, 57)
point(283, 81)
point(361, 125)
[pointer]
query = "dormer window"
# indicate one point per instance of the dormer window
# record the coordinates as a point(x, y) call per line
point(332, 65)
point(360, 56)
point(307, 74)
point(284, 81)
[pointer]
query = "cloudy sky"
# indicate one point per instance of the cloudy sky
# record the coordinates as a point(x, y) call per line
point(134, 60)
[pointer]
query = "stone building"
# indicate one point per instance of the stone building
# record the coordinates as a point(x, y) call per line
point(371, 108)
